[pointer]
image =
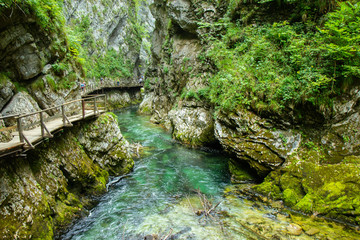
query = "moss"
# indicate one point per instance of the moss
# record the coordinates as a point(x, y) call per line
point(305, 204)
point(291, 198)
point(65, 214)
point(269, 189)
point(238, 173)
point(42, 229)
point(331, 190)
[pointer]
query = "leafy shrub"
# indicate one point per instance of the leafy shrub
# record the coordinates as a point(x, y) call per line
point(269, 67)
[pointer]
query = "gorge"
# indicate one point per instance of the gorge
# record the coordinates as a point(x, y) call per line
point(272, 85)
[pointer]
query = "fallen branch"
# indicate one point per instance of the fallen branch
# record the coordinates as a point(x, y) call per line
point(168, 234)
point(213, 208)
point(190, 204)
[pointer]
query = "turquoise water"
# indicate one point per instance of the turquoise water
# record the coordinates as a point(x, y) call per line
point(161, 179)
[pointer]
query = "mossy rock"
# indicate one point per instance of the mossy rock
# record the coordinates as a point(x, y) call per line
point(331, 190)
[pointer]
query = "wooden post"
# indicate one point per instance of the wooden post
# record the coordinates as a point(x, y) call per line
point(95, 107)
point(42, 124)
point(20, 129)
point(63, 114)
point(105, 102)
point(83, 108)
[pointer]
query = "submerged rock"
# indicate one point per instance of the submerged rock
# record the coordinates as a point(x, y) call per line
point(294, 229)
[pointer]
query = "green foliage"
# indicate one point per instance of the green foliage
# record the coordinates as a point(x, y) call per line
point(112, 64)
point(199, 95)
point(60, 67)
point(3, 78)
point(38, 84)
point(269, 67)
point(147, 84)
point(51, 82)
point(48, 13)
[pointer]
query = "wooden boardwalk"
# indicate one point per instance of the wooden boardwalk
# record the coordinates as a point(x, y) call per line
point(28, 136)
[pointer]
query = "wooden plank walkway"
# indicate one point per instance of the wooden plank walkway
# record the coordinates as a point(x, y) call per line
point(24, 140)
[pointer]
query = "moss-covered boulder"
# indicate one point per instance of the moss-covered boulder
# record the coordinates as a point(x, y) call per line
point(330, 190)
point(255, 140)
point(103, 142)
point(193, 125)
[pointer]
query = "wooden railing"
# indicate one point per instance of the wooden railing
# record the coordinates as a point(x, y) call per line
point(87, 106)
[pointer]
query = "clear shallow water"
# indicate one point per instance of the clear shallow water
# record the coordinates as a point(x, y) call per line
point(158, 198)
point(140, 204)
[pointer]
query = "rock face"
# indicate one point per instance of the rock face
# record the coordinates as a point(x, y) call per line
point(19, 51)
point(44, 192)
point(119, 99)
point(111, 26)
point(21, 103)
point(255, 140)
point(32, 58)
point(175, 75)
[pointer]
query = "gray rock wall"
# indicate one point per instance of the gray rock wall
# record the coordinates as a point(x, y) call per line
point(176, 74)
point(111, 23)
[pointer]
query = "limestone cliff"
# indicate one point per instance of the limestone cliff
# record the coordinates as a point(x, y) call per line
point(122, 26)
point(41, 194)
point(178, 71)
point(37, 69)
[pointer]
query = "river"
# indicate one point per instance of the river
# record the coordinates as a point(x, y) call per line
point(162, 198)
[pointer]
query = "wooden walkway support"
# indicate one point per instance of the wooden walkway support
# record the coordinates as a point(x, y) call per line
point(28, 136)
point(96, 87)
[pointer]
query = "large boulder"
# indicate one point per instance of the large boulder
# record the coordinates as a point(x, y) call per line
point(181, 12)
point(21, 103)
point(6, 92)
point(193, 125)
point(255, 140)
point(104, 143)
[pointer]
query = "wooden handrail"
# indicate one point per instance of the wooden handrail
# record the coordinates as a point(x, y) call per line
point(9, 116)
point(66, 122)
point(51, 108)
